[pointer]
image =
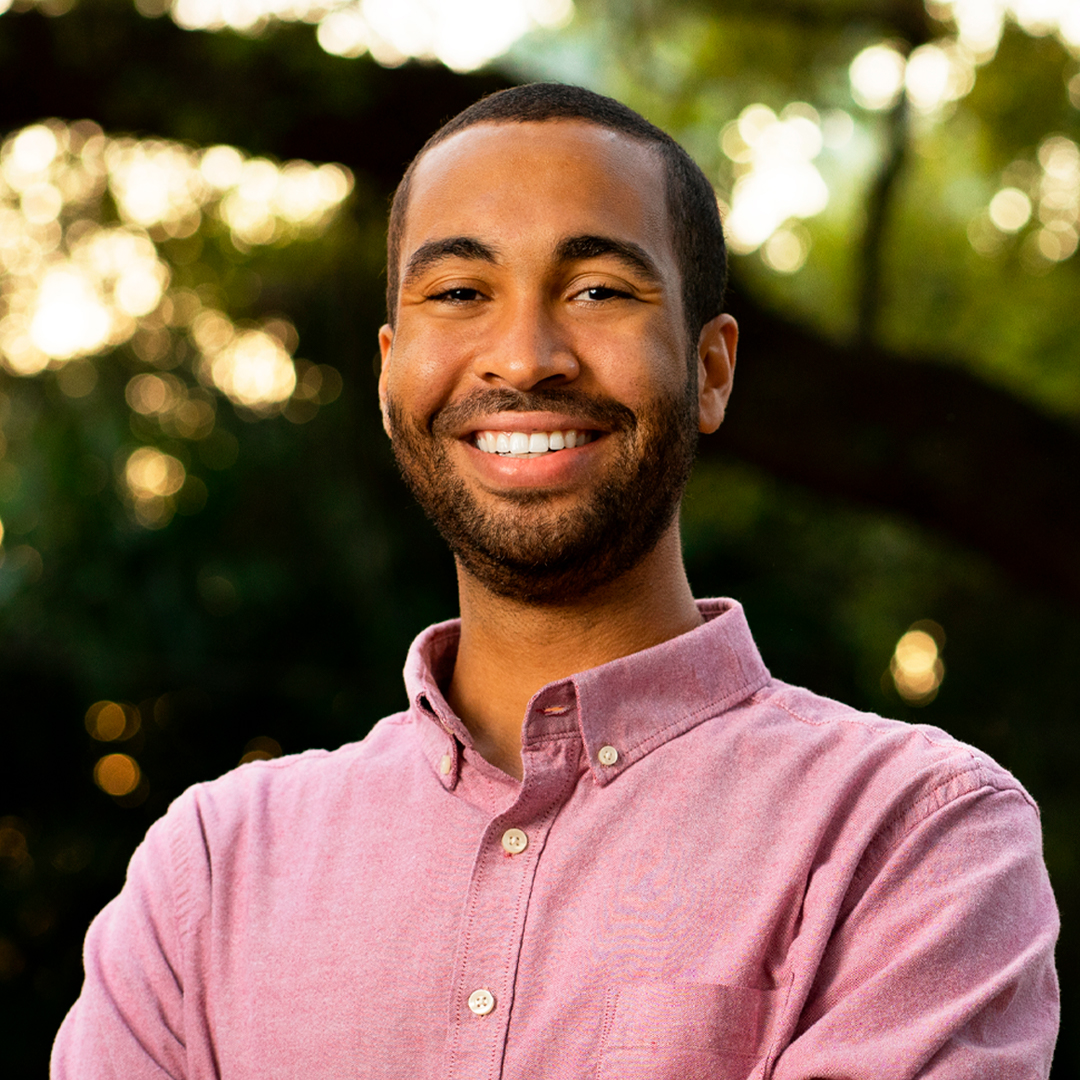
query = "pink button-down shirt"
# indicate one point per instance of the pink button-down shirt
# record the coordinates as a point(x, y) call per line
point(704, 873)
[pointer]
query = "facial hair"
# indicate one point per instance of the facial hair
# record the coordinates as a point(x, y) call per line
point(524, 548)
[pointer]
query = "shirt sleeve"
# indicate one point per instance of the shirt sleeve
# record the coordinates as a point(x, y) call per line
point(941, 962)
point(129, 1019)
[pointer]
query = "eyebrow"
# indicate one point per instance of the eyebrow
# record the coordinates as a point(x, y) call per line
point(572, 249)
point(579, 248)
point(452, 247)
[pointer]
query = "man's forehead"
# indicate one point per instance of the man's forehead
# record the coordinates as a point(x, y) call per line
point(575, 163)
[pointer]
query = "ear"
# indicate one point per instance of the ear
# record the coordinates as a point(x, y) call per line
point(386, 340)
point(716, 370)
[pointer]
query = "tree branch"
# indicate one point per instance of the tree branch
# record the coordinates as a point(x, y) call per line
point(919, 437)
point(878, 203)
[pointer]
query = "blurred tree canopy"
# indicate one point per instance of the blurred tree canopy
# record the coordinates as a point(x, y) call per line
point(206, 552)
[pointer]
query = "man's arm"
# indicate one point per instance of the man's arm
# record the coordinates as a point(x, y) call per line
point(129, 1020)
point(941, 964)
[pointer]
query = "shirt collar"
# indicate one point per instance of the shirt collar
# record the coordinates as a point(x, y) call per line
point(630, 705)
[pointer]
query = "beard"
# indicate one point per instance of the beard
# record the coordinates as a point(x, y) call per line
point(526, 549)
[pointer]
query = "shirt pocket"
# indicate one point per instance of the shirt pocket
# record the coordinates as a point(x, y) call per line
point(684, 1031)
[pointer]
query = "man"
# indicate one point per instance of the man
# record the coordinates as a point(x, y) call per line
point(602, 840)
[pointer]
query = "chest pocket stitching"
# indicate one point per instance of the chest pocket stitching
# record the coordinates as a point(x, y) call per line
point(688, 1018)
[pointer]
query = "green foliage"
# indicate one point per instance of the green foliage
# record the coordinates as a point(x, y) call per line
point(280, 600)
point(692, 67)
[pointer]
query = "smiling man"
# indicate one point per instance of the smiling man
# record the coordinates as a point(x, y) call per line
point(602, 841)
point(544, 391)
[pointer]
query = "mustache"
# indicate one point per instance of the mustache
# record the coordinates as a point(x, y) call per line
point(601, 412)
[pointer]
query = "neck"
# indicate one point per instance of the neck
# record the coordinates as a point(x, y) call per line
point(510, 649)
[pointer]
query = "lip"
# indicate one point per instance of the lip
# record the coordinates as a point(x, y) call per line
point(529, 422)
point(559, 470)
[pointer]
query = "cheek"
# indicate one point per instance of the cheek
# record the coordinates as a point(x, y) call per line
point(422, 375)
point(638, 364)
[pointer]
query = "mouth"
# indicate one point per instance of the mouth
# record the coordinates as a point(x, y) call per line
point(531, 444)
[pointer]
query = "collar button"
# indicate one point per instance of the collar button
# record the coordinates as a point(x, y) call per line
point(608, 755)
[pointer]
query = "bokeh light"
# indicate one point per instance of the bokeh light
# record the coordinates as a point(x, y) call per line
point(318, 383)
point(75, 285)
point(1073, 88)
point(261, 748)
point(14, 850)
point(109, 721)
point(149, 473)
point(77, 378)
point(1010, 210)
point(152, 395)
point(23, 561)
point(980, 23)
point(180, 410)
point(154, 183)
point(938, 73)
point(1045, 194)
point(85, 221)
point(786, 250)
point(944, 70)
point(152, 478)
point(117, 774)
point(463, 34)
point(916, 666)
point(877, 77)
point(775, 179)
point(253, 369)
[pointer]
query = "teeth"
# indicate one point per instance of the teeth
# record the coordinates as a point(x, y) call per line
point(529, 444)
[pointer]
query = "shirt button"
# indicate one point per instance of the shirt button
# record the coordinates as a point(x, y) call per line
point(514, 840)
point(608, 755)
point(481, 1002)
point(446, 764)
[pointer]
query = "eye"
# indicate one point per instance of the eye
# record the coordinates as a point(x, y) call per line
point(463, 295)
point(597, 293)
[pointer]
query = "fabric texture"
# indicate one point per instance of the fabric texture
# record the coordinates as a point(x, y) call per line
point(764, 883)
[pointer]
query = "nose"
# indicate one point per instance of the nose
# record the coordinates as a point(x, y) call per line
point(527, 348)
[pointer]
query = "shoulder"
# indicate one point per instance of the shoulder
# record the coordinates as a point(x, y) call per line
point(820, 758)
point(833, 729)
point(925, 899)
point(270, 802)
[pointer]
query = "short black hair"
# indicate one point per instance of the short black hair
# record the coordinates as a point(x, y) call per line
point(698, 236)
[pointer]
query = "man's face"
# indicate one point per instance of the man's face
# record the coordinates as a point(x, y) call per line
point(537, 383)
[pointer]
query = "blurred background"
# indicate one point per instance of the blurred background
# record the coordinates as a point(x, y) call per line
point(205, 553)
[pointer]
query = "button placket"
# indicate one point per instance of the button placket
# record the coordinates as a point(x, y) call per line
point(490, 942)
point(497, 901)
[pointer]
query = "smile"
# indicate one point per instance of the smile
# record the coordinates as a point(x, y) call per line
point(521, 444)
